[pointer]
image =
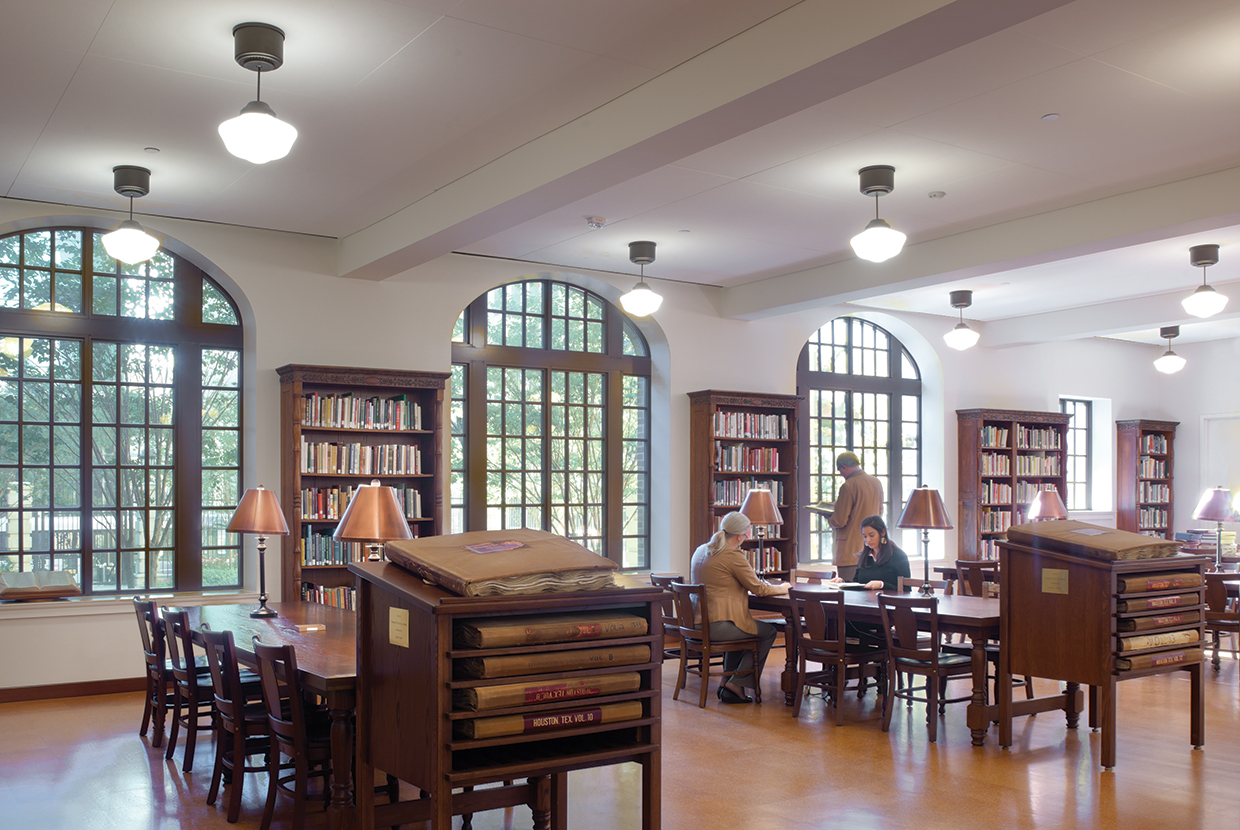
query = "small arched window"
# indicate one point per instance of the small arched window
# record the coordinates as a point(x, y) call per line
point(120, 417)
point(550, 419)
point(862, 393)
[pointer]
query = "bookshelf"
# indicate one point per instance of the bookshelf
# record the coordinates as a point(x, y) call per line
point(1005, 457)
point(1145, 459)
point(741, 441)
point(340, 428)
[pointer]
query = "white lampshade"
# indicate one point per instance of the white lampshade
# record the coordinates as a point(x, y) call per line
point(879, 241)
point(961, 337)
point(641, 301)
point(256, 135)
point(1204, 302)
point(1169, 363)
point(130, 243)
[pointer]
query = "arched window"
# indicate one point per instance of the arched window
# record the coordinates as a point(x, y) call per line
point(120, 417)
point(862, 393)
point(550, 419)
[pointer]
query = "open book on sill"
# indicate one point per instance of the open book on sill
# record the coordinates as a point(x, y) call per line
point(38, 585)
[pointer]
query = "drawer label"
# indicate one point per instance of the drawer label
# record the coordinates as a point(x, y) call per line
point(1054, 580)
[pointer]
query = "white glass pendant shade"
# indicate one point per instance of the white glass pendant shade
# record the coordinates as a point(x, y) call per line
point(1204, 302)
point(641, 301)
point(879, 241)
point(130, 243)
point(256, 135)
point(1169, 363)
point(961, 337)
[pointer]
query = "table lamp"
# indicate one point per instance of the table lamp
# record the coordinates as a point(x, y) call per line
point(1215, 506)
point(373, 516)
point(760, 508)
point(1047, 505)
point(259, 513)
point(925, 510)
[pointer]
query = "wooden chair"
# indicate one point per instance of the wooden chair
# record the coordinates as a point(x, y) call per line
point(820, 628)
point(972, 574)
point(696, 642)
point(1222, 615)
point(158, 670)
point(946, 587)
point(670, 626)
point(810, 576)
point(192, 690)
point(910, 654)
point(243, 729)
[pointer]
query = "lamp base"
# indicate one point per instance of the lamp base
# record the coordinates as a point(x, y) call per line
point(263, 611)
point(926, 590)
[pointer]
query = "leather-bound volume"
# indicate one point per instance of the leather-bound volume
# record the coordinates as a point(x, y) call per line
point(545, 691)
point(38, 585)
point(1159, 621)
point(547, 721)
point(1092, 541)
point(1169, 638)
point(1167, 658)
point(1141, 583)
point(1151, 603)
point(498, 562)
point(558, 628)
point(514, 665)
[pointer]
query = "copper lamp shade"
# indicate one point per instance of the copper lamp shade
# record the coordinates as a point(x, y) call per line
point(925, 510)
point(760, 508)
point(1047, 505)
point(374, 515)
point(259, 513)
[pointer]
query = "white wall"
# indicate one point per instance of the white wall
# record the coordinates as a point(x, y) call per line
point(302, 314)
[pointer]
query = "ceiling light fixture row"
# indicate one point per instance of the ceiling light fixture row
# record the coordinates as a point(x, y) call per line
point(1170, 362)
point(1205, 301)
point(642, 300)
point(961, 337)
point(256, 135)
point(879, 241)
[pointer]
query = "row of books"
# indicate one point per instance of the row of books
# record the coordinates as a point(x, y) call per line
point(321, 549)
point(988, 550)
point(996, 465)
point(994, 437)
point(1151, 468)
point(1154, 443)
point(329, 503)
point(1037, 465)
point(750, 425)
point(734, 459)
point(765, 531)
point(734, 491)
point(360, 459)
point(1027, 490)
point(996, 492)
point(764, 560)
point(1028, 438)
point(1153, 493)
point(1151, 518)
point(345, 598)
point(347, 412)
point(994, 521)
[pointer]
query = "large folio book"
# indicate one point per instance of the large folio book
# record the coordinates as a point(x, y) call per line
point(557, 628)
point(544, 721)
point(513, 665)
point(495, 562)
point(1166, 658)
point(545, 691)
point(1159, 621)
point(1152, 603)
point(1169, 638)
point(28, 585)
point(1141, 583)
point(1093, 541)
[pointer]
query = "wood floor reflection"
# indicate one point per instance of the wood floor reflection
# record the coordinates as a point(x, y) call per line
point(78, 764)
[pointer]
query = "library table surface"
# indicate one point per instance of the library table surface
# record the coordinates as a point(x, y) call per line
point(975, 617)
point(326, 663)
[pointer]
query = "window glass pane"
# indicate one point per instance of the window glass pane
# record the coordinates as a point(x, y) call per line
point(215, 306)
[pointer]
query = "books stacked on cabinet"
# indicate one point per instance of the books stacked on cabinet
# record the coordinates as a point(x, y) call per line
point(1145, 467)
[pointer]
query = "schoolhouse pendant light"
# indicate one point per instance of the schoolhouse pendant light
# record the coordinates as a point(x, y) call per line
point(961, 337)
point(879, 241)
point(130, 242)
point(1205, 301)
point(1170, 362)
point(256, 135)
point(642, 300)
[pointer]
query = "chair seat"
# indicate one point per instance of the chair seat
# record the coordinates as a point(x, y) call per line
point(946, 659)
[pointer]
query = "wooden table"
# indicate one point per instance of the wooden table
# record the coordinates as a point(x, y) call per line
point(975, 617)
point(326, 663)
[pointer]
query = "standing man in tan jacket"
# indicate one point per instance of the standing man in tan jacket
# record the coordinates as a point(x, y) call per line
point(859, 496)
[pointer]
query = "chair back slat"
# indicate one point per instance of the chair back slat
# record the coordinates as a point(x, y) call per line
point(692, 613)
point(972, 574)
point(277, 672)
point(665, 581)
point(902, 625)
point(819, 620)
point(225, 675)
point(151, 627)
point(180, 646)
point(810, 576)
point(912, 583)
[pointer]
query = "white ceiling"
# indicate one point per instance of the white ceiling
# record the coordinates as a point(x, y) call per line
point(728, 131)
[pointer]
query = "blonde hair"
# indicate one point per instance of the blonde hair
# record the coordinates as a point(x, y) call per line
point(733, 524)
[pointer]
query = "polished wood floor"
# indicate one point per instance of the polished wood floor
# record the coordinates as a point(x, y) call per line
point(78, 764)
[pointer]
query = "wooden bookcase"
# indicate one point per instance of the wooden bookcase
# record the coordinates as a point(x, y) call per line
point(409, 667)
point(1071, 618)
point(1145, 459)
point(739, 440)
point(300, 434)
point(1005, 457)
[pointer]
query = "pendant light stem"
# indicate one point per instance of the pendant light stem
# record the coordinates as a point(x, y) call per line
point(259, 92)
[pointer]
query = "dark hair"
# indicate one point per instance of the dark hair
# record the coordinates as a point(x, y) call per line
point(885, 548)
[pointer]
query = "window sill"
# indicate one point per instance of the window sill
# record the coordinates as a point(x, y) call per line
point(108, 606)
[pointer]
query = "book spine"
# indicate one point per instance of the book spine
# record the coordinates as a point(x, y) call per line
point(1170, 638)
point(1151, 603)
point(544, 721)
point(1167, 658)
point(1161, 621)
point(518, 664)
point(1161, 582)
point(525, 694)
point(559, 632)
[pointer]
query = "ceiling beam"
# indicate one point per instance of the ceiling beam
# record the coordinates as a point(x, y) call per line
point(810, 53)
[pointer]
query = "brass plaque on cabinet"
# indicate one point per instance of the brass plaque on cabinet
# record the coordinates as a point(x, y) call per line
point(398, 627)
point(1054, 581)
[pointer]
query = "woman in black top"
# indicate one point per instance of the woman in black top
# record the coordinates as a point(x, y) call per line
point(881, 563)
